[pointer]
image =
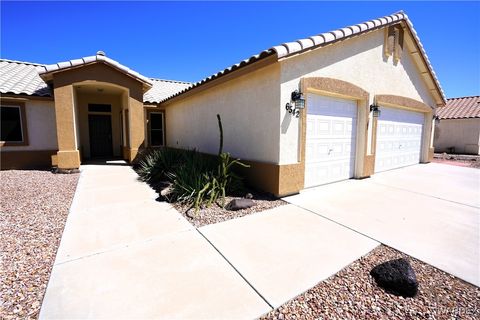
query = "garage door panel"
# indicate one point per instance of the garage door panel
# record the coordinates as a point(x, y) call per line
point(330, 145)
point(399, 138)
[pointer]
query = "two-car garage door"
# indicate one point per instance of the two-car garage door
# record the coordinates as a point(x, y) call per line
point(331, 139)
point(399, 138)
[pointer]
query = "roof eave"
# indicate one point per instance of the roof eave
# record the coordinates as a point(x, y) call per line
point(300, 46)
point(226, 73)
point(46, 72)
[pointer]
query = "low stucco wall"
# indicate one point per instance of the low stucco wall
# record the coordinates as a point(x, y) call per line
point(249, 108)
point(461, 134)
point(41, 127)
point(359, 61)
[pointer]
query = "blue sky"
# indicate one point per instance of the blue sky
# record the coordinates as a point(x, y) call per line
point(191, 40)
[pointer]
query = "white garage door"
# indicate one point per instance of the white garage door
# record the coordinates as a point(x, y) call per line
point(399, 138)
point(330, 145)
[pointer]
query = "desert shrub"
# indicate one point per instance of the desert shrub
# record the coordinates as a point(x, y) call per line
point(189, 176)
point(156, 163)
point(197, 179)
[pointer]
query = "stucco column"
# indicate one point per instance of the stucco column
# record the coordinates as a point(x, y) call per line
point(429, 133)
point(68, 156)
point(136, 127)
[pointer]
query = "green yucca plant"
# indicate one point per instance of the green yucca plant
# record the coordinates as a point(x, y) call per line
point(157, 162)
point(197, 179)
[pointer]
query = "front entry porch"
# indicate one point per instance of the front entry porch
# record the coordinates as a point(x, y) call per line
point(98, 111)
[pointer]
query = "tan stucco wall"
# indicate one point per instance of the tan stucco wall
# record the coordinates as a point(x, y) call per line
point(28, 159)
point(41, 126)
point(359, 61)
point(249, 108)
point(463, 134)
point(115, 101)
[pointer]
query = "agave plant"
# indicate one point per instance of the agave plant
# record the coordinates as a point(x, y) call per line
point(156, 163)
point(197, 179)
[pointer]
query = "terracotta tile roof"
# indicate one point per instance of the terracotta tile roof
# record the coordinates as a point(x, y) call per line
point(22, 78)
point(17, 77)
point(295, 47)
point(460, 108)
point(99, 57)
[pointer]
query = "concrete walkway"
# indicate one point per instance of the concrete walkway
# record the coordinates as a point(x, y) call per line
point(124, 255)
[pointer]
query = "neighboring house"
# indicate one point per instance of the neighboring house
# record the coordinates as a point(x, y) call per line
point(459, 128)
point(72, 111)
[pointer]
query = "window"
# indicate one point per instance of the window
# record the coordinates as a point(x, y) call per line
point(99, 108)
point(11, 124)
point(156, 129)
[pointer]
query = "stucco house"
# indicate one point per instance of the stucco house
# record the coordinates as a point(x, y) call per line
point(459, 128)
point(338, 105)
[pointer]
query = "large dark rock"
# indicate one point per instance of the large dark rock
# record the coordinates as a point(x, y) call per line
point(396, 277)
point(239, 204)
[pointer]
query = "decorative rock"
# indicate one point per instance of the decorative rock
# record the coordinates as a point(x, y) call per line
point(239, 204)
point(249, 196)
point(65, 171)
point(165, 189)
point(396, 277)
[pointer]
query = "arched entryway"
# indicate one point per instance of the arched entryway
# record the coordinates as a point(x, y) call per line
point(98, 109)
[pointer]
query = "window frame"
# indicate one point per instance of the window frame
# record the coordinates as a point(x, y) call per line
point(23, 124)
point(150, 112)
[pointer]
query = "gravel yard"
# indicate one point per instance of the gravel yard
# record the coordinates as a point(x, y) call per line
point(457, 160)
point(353, 294)
point(33, 209)
point(215, 213)
point(460, 163)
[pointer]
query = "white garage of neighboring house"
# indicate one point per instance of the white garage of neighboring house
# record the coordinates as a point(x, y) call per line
point(459, 128)
point(338, 105)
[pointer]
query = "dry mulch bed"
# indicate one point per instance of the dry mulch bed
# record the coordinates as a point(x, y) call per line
point(216, 213)
point(353, 294)
point(33, 209)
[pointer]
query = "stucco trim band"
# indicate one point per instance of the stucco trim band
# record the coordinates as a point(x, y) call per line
point(279, 180)
point(400, 102)
point(333, 87)
point(28, 159)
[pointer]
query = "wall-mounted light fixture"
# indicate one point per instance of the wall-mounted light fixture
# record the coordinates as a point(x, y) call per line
point(436, 118)
point(375, 111)
point(298, 103)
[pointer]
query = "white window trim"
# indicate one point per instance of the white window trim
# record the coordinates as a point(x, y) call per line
point(150, 129)
point(21, 123)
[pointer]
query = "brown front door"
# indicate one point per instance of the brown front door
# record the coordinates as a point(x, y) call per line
point(100, 131)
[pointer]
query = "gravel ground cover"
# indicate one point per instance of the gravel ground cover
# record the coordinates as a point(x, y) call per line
point(353, 294)
point(33, 209)
point(458, 162)
point(216, 213)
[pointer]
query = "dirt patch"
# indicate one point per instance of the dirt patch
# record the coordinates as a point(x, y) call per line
point(215, 213)
point(33, 209)
point(353, 294)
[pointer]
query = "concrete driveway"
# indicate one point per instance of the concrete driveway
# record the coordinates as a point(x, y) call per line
point(429, 211)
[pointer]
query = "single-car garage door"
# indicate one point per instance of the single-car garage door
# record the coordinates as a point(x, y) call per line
point(399, 138)
point(330, 143)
